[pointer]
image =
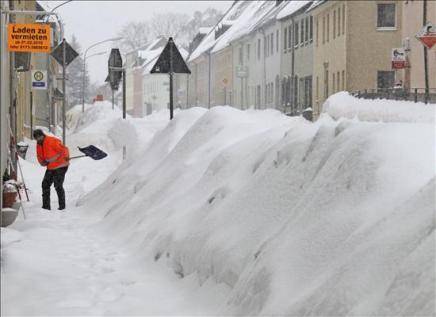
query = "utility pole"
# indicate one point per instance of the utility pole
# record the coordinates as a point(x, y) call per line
point(424, 22)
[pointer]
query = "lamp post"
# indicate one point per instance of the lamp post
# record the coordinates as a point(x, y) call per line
point(84, 66)
point(84, 74)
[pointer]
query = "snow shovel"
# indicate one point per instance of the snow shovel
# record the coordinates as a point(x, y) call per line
point(92, 152)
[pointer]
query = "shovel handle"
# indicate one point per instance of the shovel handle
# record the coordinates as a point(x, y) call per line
point(75, 157)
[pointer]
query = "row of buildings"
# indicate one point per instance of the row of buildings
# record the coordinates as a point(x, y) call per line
point(292, 55)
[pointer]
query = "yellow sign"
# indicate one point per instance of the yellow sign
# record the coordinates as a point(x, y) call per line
point(33, 37)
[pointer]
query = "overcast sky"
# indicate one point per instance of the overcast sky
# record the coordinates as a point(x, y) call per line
point(93, 21)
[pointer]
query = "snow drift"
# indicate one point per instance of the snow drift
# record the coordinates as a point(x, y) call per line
point(328, 218)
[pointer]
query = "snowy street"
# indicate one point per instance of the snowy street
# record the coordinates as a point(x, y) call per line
point(60, 263)
point(210, 214)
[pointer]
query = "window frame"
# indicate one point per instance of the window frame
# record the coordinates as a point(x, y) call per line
point(386, 28)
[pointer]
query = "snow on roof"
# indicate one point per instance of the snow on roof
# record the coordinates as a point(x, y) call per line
point(271, 16)
point(315, 4)
point(291, 7)
point(153, 54)
point(204, 30)
point(255, 12)
point(231, 18)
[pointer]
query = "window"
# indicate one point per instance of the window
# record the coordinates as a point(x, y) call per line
point(272, 92)
point(326, 83)
point(343, 80)
point(258, 48)
point(285, 39)
point(386, 15)
point(311, 29)
point(296, 34)
point(317, 88)
point(266, 46)
point(338, 80)
point(334, 24)
point(306, 34)
point(277, 40)
point(241, 56)
point(272, 43)
point(323, 29)
point(248, 52)
point(339, 22)
point(295, 99)
point(290, 36)
point(317, 31)
point(333, 82)
point(308, 91)
point(385, 79)
point(343, 19)
point(328, 27)
point(302, 32)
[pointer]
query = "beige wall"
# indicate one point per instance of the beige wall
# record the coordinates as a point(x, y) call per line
point(412, 23)
point(222, 71)
point(357, 54)
point(23, 79)
point(329, 52)
point(199, 90)
point(369, 48)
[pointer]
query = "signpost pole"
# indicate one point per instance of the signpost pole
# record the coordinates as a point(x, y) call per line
point(124, 106)
point(424, 22)
point(171, 83)
point(31, 115)
point(63, 92)
point(113, 99)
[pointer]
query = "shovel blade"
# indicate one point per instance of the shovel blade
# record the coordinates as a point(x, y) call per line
point(93, 152)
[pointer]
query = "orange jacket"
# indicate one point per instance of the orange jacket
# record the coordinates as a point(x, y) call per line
point(53, 152)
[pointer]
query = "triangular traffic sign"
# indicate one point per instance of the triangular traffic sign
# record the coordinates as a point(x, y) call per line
point(427, 35)
point(70, 53)
point(170, 61)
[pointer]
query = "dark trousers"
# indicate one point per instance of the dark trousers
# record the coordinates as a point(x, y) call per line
point(57, 177)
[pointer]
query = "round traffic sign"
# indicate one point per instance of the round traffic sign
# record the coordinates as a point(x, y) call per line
point(38, 75)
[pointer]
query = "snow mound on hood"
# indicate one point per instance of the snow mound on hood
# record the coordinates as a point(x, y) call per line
point(330, 218)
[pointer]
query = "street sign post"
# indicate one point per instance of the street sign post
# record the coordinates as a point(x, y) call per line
point(39, 79)
point(29, 37)
point(398, 58)
point(64, 54)
point(170, 62)
point(115, 64)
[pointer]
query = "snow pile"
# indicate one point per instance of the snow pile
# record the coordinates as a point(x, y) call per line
point(343, 105)
point(330, 218)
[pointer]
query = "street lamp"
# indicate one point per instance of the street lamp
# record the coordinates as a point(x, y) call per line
point(84, 66)
point(84, 75)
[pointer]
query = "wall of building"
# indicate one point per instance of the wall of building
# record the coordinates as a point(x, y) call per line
point(5, 93)
point(23, 80)
point(222, 77)
point(363, 60)
point(412, 15)
point(297, 63)
point(329, 52)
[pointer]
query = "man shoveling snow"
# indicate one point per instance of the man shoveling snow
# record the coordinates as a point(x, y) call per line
point(55, 156)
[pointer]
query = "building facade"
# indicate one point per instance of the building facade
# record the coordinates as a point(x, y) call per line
point(296, 60)
point(412, 23)
point(343, 60)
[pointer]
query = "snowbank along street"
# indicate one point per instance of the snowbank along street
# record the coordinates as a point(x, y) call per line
point(235, 212)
